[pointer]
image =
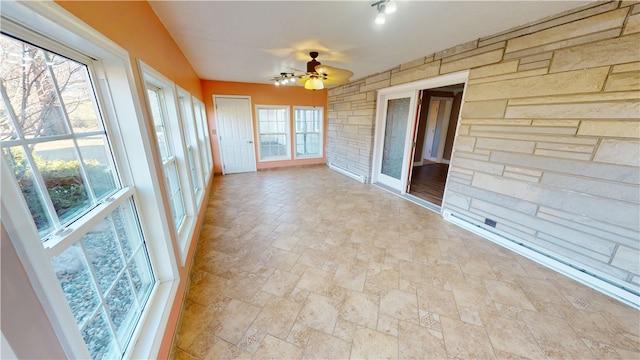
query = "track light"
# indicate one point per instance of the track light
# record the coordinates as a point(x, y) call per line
point(384, 7)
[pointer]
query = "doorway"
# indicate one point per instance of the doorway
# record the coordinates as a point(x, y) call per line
point(235, 133)
point(429, 126)
point(436, 126)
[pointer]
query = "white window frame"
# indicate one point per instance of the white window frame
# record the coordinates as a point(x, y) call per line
point(128, 135)
point(203, 138)
point(287, 132)
point(178, 157)
point(192, 146)
point(320, 133)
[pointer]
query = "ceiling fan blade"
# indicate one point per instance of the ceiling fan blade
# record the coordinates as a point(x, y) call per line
point(334, 75)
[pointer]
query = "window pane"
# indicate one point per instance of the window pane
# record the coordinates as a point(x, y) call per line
point(98, 337)
point(59, 167)
point(127, 229)
point(158, 123)
point(175, 193)
point(308, 144)
point(122, 308)
point(24, 175)
point(76, 93)
point(104, 253)
point(141, 275)
point(74, 277)
point(95, 157)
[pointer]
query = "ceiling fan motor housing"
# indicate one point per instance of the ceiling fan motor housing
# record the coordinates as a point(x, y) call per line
point(311, 65)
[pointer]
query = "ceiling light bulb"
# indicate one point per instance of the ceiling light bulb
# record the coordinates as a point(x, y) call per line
point(276, 83)
point(380, 18)
point(391, 7)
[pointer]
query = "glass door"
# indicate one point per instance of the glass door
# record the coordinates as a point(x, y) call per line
point(393, 139)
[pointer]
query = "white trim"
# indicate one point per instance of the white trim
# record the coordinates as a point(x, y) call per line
point(531, 252)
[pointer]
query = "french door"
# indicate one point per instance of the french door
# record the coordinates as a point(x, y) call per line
point(394, 128)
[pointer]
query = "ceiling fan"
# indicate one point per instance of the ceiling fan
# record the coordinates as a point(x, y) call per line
point(317, 75)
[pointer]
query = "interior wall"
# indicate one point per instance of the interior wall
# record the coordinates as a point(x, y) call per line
point(453, 125)
point(424, 115)
point(549, 137)
point(264, 94)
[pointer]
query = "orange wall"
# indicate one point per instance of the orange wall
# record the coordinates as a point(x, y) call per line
point(134, 26)
point(262, 94)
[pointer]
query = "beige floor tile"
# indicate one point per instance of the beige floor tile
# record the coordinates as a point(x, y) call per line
point(311, 263)
point(417, 342)
point(319, 312)
point(400, 305)
point(280, 283)
point(235, 319)
point(361, 309)
point(274, 348)
point(324, 346)
point(372, 344)
point(466, 341)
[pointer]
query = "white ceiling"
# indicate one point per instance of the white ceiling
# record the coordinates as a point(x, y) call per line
point(253, 41)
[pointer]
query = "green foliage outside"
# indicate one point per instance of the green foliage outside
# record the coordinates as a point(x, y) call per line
point(65, 185)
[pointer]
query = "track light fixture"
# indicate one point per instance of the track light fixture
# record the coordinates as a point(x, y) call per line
point(384, 7)
point(284, 78)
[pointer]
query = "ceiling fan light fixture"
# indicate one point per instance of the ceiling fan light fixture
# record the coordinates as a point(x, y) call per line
point(314, 84)
point(380, 18)
point(391, 7)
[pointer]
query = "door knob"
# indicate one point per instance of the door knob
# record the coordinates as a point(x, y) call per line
point(249, 142)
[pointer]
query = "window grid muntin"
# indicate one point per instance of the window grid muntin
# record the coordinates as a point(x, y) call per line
point(273, 123)
point(301, 116)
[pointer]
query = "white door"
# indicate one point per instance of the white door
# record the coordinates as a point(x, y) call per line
point(235, 133)
point(393, 134)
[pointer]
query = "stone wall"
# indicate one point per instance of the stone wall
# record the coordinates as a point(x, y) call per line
point(548, 144)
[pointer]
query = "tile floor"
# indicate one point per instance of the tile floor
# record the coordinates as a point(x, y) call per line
point(307, 263)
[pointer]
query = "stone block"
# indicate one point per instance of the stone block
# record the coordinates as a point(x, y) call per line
point(521, 206)
point(499, 121)
point(576, 254)
point(627, 259)
point(417, 73)
point(474, 52)
point(484, 109)
point(563, 18)
point(465, 143)
point(518, 75)
point(412, 63)
point(524, 171)
point(610, 128)
point(587, 149)
point(615, 151)
point(623, 82)
point(507, 67)
point(341, 106)
point(463, 129)
point(635, 66)
point(456, 49)
point(563, 154)
point(377, 78)
point(375, 86)
point(607, 210)
point(478, 165)
point(607, 52)
point(563, 123)
point(632, 26)
point(612, 172)
point(609, 34)
point(590, 25)
point(544, 64)
point(472, 62)
point(476, 155)
point(593, 186)
point(577, 98)
point(522, 177)
point(507, 145)
point(536, 58)
point(476, 129)
point(458, 200)
point(595, 227)
point(580, 81)
point(600, 110)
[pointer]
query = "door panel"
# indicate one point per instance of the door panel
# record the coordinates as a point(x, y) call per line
point(235, 133)
point(393, 139)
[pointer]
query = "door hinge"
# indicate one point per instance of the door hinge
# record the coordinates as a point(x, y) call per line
point(413, 144)
point(419, 101)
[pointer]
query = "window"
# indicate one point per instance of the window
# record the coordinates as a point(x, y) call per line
point(273, 130)
point(203, 137)
point(191, 141)
point(55, 143)
point(308, 125)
